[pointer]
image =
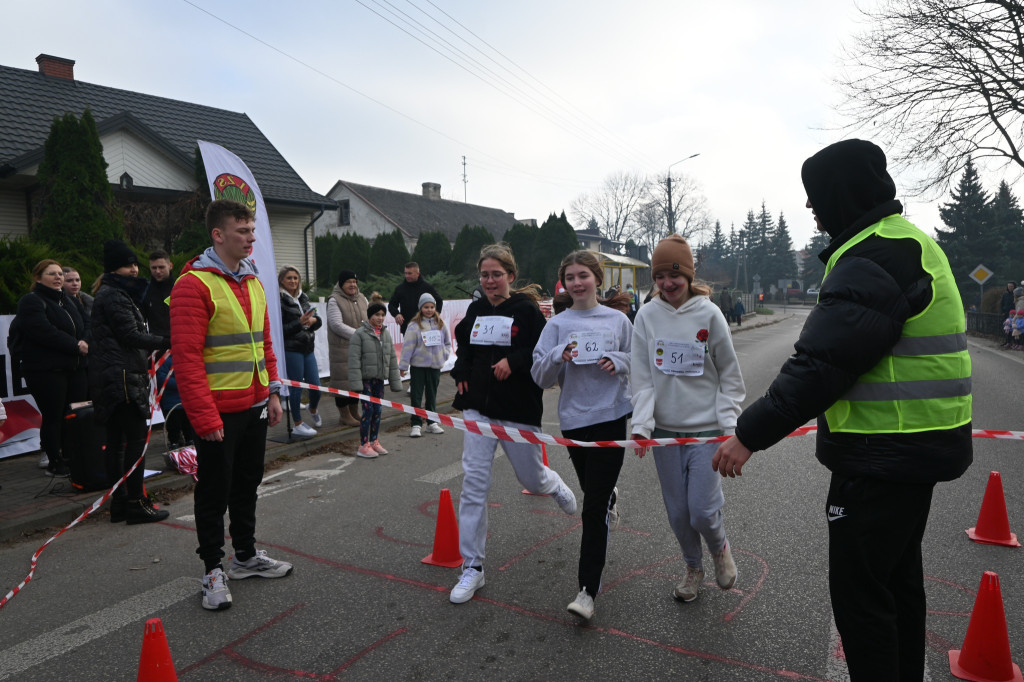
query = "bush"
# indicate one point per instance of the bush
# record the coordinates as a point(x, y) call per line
point(388, 254)
point(352, 252)
point(466, 251)
point(432, 252)
point(17, 258)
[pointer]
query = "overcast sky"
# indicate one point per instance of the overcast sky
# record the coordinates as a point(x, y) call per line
point(577, 89)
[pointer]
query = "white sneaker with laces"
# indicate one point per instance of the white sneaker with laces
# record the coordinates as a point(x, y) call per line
point(613, 514)
point(416, 432)
point(317, 420)
point(303, 430)
point(725, 568)
point(259, 565)
point(434, 427)
point(565, 498)
point(687, 590)
point(44, 461)
point(216, 596)
point(471, 581)
point(582, 606)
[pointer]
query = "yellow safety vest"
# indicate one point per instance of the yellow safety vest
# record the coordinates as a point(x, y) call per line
point(234, 346)
point(924, 383)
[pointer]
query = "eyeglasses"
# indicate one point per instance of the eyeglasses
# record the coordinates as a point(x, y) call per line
point(492, 275)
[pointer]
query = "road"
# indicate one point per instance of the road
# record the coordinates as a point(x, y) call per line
point(360, 605)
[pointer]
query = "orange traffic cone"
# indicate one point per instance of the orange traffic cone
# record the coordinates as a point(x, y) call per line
point(544, 452)
point(155, 664)
point(993, 526)
point(985, 656)
point(446, 535)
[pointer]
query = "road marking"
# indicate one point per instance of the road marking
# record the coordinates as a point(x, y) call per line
point(301, 478)
point(447, 473)
point(132, 611)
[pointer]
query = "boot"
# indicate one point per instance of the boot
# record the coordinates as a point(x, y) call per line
point(118, 508)
point(349, 415)
point(142, 511)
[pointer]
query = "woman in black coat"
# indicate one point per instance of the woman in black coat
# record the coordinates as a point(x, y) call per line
point(119, 378)
point(52, 350)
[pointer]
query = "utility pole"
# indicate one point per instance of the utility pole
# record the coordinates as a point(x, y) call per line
point(671, 214)
point(464, 180)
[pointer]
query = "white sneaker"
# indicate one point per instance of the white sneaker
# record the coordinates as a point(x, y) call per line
point(434, 427)
point(317, 420)
point(303, 430)
point(216, 596)
point(565, 498)
point(725, 568)
point(471, 581)
point(687, 590)
point(416, 432)
point(260, 565)
point(613, 513)
point(582, 606)
point(44, 461)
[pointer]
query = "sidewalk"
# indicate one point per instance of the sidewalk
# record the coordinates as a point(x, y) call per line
point(31, 502)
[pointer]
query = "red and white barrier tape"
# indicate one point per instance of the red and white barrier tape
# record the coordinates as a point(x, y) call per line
point(537, 438)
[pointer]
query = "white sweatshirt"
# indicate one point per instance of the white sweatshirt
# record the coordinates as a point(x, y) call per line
point(688, 404)
point(589, 395)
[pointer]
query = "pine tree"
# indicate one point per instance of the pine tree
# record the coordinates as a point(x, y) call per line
point(466, 251)
point(78, 211)
point(433, 252)
point(521, 239)
point(1007, 224)
point(324, 245)
point(352, 252)
point(555, 240)
point(969, 237)
point(388, 254)
point(782, 262)
point(813, 270)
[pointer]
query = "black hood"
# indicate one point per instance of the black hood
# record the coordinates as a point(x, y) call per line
point(846, 180)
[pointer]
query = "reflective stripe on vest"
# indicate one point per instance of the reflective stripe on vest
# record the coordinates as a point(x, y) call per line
point(924, 383)
point(233, 350)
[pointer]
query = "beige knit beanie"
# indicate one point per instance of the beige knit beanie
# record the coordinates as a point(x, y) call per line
point(672, 253)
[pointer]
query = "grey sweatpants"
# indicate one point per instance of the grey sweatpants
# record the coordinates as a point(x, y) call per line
point(692, 491)
point(477, 459)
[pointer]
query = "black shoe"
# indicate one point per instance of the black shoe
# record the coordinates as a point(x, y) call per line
point(142, 511)
point(118, 509)
point(58, 470)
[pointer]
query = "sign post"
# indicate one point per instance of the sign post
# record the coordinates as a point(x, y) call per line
point(981, 274)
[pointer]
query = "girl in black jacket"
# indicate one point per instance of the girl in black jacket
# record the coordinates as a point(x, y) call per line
point(52, 350)
point(120, 380)
point(299, 323)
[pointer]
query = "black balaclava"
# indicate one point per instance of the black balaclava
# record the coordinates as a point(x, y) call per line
point(844, 181)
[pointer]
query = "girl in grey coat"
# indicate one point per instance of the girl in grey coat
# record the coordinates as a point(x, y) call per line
point(371, 360)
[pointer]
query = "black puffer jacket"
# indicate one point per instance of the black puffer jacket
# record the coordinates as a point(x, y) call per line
point(517, 398)
point(297, 339)
point(405, 300)
point(864, 302)
point(120, 347)
point(51, 327)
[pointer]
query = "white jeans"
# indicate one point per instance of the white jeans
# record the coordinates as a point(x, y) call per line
point(477, 459)
point(693, 496)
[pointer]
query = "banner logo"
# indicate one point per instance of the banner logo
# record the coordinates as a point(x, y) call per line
point(234, 188)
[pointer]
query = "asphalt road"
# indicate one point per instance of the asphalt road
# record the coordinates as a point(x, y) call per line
point(360, 604)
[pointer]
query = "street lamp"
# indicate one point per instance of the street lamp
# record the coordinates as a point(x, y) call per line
point(668, 184)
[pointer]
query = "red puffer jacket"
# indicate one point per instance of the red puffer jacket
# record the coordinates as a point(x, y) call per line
point(191, 309)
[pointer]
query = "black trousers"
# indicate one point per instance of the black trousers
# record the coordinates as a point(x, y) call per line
point(598, 470)
point(126, 439)
point(876, 577)
point(229, 471)
point(53, 392)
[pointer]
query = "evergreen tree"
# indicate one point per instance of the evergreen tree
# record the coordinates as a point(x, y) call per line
point(324, 245)
point(782, 264)
point(433, 252)
point(388, 254)
point(1007, 224)
point(969, 237)
point(813, 270)
point(352, 252)
point(78, 211)
point(521, 239)
point(554, 241)
point(466, 251)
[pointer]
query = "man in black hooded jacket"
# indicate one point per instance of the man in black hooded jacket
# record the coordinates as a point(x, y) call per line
point(882, 363)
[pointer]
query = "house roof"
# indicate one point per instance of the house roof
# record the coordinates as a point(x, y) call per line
point(29, 101)
point(414, 213)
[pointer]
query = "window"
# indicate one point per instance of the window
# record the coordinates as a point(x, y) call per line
point(344, 213)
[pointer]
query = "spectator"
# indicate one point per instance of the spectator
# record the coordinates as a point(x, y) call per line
point(73, 289)
point(634, 304)
point(725, 303)
point(1018, 331)
point(230, 390)
point(1018, 298)
point(425, 349)
point(371, 361)
point(154, 304)
point(119, 378)
point(52, 348)
point(405, 300)
point(346, 312)
point(739, 310)
point(299, 324)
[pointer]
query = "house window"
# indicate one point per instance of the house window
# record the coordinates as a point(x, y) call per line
point(344, 213)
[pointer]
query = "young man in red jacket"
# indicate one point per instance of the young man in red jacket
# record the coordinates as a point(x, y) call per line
point(227, 376)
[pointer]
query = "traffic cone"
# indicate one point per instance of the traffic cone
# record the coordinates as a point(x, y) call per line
point(544, 452)
point(155, 664)
point(446, 535)
point(993, 526)
point(985, 656)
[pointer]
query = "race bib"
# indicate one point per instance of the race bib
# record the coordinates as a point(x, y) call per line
point(588, 347)
point(492, 330)
point(679, 358)
point(432, 338)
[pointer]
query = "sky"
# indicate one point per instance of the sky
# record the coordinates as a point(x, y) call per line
point(573, 91)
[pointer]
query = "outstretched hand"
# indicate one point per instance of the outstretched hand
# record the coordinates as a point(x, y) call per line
point(730, 458)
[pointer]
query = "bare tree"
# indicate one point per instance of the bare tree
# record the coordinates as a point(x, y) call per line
point(688, 204)
point(940, 81)
point(613, 205)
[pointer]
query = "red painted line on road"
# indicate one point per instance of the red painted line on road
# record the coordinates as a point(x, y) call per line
point(750, 594)
point(964, 614)
point(540, 544)
point(383, 640)
point(380, 534)
point(241, 640)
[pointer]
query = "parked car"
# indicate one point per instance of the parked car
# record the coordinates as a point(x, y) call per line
point(812, 292)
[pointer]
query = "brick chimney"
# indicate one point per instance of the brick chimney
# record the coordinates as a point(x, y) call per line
point(431, 190)
point(58, 67)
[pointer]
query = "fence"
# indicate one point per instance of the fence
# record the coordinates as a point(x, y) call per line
point(987, 324)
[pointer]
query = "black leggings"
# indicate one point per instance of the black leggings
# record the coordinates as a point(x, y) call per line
point(53, 392)
point(126, 439)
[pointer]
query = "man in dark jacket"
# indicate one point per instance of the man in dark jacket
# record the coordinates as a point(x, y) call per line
point(882, 361)
point(154, 303)
point(404, 303)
